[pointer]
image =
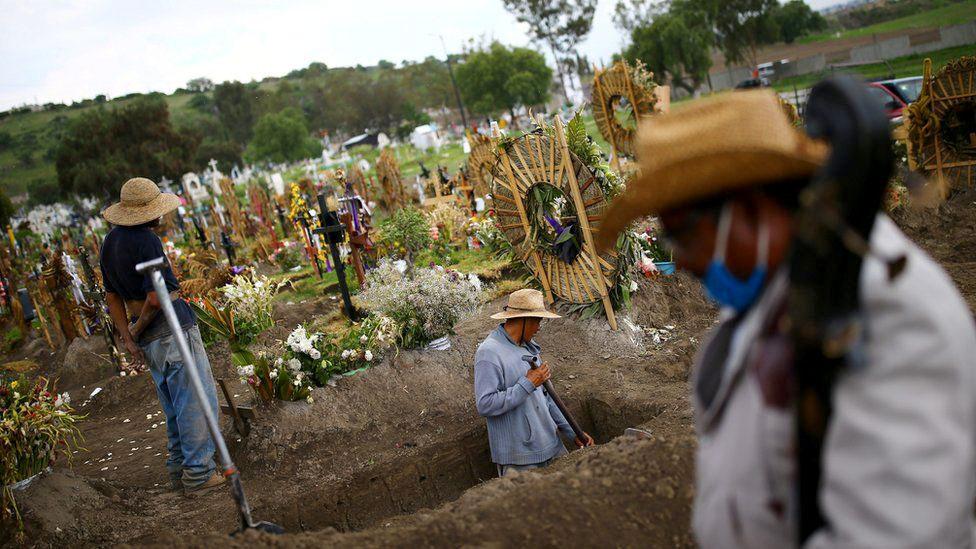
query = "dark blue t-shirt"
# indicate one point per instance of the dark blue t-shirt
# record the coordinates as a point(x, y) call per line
point(123, 249)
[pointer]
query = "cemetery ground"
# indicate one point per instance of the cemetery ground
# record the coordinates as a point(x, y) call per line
point(397, 455)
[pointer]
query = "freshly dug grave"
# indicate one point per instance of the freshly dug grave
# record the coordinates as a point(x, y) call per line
point(403, 437)
point(948, 233)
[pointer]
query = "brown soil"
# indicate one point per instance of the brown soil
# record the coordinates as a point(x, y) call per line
point(386, 445)
point(948, 233)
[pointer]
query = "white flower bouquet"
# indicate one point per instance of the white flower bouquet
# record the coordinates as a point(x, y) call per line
point(425, 305)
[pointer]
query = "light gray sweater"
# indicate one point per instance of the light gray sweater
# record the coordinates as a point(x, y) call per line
point(522, 419)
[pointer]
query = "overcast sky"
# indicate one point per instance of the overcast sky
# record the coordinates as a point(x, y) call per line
point(65, 50)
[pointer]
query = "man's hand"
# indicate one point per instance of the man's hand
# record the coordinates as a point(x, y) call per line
point(539, 375)
point(137, 361)
point(589, 441)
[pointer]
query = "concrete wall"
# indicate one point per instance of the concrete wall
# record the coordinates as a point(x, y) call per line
point(882, 50)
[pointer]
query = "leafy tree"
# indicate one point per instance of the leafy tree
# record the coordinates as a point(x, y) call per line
point(499, 78)
point(630, 14)
point(675, 46)
point(103, 148)
point(26, 158)
point(201, 102)
point(235, 110)
point(282, 137)
point(740, 27)
point(386, 65)
point(796, 19)
point(560, 24)
point(6, 208)
point(200, 85)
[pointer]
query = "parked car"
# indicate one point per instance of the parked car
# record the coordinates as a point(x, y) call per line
point(896, 94)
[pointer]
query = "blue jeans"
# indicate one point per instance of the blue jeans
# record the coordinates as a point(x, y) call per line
point(190, 445)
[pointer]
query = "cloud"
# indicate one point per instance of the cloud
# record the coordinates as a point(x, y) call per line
point(61, 51)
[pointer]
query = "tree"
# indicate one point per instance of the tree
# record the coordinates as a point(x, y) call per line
point(630, 14)
point(740, 27)
point(6, 208)
point(102, 148)
point(235, 110)
point(200, 85)
point(282, 137)
point(796, 19)
point(499, 78)
point(674, 47)
point(560, 24)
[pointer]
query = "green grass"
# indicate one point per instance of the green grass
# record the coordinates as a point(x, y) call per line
point(939, 17)
point(910, 65)
point(312, 287)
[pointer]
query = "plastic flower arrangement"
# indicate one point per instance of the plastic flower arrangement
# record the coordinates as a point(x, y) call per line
point(487, 234)
point(36, 425)
point(242, 314)
point(287, 255)
point(651, 245)
point(425, 305)
point(277, 378)
point(361, 346)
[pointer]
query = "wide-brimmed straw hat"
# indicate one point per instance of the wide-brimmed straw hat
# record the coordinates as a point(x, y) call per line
point(710, 147)
point(524, 304)
point(142, 202)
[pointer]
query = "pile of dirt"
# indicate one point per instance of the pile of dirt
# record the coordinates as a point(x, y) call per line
point(404, 436)
point(948, 233)
point(637, 491)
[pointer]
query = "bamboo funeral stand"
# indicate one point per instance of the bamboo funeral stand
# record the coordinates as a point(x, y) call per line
point(616, 83)
point(480, 161)
point(391, 183)
point(942, 125)
point(534, 159)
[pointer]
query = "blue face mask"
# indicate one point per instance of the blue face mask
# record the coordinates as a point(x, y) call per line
point(724, 287)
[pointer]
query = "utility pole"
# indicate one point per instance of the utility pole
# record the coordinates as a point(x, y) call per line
point(457, 93)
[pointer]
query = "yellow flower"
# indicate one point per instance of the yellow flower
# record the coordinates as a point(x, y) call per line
point(13, 384)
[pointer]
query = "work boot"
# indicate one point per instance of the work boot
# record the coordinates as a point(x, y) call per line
point(176, 481)
point(216, 480)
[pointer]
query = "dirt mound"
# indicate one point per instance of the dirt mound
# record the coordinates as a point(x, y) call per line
point(85, 361)
point(640, 490)
point(948, 233)
point(52, 502)
point(387, 444)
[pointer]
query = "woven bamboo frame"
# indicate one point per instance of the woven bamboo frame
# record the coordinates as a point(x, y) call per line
point(391, 183)
point(609, 85)
point(480, 162)
point(953, 87)
point(536, 159)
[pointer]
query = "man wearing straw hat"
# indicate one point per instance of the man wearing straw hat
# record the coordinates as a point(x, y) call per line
point(899, 457)
point(522, 421)
point(134, 307)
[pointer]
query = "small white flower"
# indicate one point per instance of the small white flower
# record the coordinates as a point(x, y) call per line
point(309, 399)
point(345, 354)
point(363, 339)
point(273, 374)
point(296, 382)
point(369, 356)
point(294, 364)
point(315, 354)
point(633, 285)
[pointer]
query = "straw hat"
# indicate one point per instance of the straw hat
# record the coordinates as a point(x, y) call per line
point(709, 147)
point(525, 303)
point(142, 202)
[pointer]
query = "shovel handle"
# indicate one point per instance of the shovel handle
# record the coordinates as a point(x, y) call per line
point(573, 424)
